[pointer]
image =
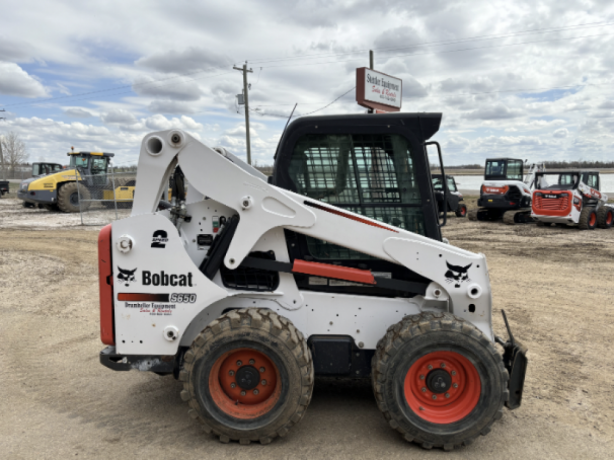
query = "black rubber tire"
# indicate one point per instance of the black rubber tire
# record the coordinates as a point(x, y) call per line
point(27, 204)
point(461, 211)
point(283, 344)
point(52, 207)
point(412, 338)
point(604, 214)
point(68, 197)
point(584, 223)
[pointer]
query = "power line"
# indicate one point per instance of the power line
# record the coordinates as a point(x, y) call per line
point(443, 42)
point(112, 89)
point(329, 104)
point(324, 63)
point(442, 51)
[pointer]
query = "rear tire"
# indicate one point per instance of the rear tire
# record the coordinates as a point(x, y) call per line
point(405, 383)
point(252, 411)
point(68, 197)
point(461, 211)
point(605, 217)
point(588, 218)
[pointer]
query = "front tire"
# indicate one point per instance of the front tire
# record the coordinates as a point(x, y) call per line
point(438, 380)
point(605, 217)
point(248, 376)
point(588, 219)
point(68, 197)
point(461, 211)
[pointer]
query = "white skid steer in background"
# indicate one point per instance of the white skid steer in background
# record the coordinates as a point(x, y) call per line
point(246, 288)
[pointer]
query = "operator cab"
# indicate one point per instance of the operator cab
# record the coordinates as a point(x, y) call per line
point(503, 169)
point(373, 165)
point(42, 169)
point(567, 180)
point(94, 164)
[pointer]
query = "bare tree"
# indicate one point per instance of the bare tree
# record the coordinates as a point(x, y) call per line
point(14, 151)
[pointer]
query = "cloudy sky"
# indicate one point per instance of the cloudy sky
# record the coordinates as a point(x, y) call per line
point(529, 79)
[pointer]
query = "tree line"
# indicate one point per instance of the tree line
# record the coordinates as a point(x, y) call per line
point(584, 164)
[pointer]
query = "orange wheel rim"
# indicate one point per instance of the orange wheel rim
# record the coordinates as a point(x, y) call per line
point(437, 398)
point(593, 219)
point(609, 219)
point(463, 211)
point(244, 383)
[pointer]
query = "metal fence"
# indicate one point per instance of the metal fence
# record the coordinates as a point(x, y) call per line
point(103, 198)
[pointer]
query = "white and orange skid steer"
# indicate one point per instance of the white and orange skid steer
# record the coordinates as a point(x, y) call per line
point(247, 287)
point(571, 198)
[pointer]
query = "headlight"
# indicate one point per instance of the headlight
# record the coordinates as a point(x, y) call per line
point(24, 186)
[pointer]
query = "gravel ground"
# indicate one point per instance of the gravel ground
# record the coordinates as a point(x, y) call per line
point(59, 402)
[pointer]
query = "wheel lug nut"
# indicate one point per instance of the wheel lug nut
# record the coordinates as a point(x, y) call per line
point(423, 389)
point(243, 393)
point(434, 396)
point(262, 369)
point(429, 367)
point(421, 408)
point(263, 382)
point(447, 395)
point(455, 385)
point(453, 372)
point(256, 392)
point(443, 364)
point(251, 361)
point(231, 373)
point(422, 377)
point(232, 385)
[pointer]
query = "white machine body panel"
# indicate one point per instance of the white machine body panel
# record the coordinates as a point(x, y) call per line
point(183, 300)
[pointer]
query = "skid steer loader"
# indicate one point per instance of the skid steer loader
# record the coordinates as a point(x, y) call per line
point(504, 194)
point(333, 266)
point(571, 198)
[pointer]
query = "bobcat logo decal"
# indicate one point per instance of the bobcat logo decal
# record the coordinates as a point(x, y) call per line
point(457, 274)
point(126, 276)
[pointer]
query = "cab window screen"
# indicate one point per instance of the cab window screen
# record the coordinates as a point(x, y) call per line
point(514, 170)
point(372, 175)
point(451, 185)
point(78, 161)
point(495, 168)
point(99, 165)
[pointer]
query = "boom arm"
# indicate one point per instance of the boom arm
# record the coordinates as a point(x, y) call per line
point(457, 275)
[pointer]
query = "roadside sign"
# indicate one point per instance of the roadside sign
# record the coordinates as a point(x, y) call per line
point(378, 91)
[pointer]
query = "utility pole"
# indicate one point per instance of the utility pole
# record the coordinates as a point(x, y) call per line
point(370, 67)
point(1, 154)
point(244, 70)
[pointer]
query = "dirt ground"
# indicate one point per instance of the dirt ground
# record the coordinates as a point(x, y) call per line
point(57, 401)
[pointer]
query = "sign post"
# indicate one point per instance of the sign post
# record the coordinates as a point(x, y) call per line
point(378, 91)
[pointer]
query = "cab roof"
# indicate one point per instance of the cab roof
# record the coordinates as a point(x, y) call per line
point(503, 159)
point(97, 154)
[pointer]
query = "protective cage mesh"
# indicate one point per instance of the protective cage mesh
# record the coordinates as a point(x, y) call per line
point(369, 174)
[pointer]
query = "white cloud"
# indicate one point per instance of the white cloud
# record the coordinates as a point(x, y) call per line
point(191, 59)
point(560, 133)
point(118, 116)
point(77, 112)
point(14, 81)
point(178, 89)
